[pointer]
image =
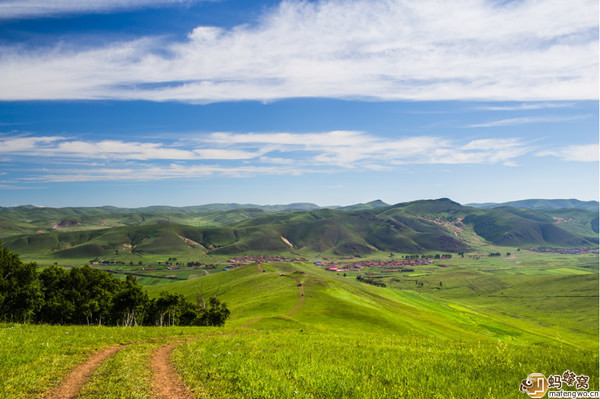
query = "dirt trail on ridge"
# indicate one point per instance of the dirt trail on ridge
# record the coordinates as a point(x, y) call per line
point(167, 383)
point(74, 381)
point(300, 300)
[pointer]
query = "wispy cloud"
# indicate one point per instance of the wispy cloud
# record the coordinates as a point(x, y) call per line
point(576, 153)
point(15, 187)
point(528, 106)
point(61, 159)
point(528, 120)
point(140, 172)
point(20, 9)
point(375, 49)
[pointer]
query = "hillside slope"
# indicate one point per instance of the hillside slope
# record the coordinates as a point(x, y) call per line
point(268, 296)
point(543, 204)
point(415, 227)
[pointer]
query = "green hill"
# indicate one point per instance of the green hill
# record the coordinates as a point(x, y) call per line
point(415, 227)
point(465, 308)
point(31, 219)
point(543, 204)
point(471, 327)
point(517, 227)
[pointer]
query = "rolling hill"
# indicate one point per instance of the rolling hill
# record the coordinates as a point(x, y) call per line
point(543, 204)
point(414, 227)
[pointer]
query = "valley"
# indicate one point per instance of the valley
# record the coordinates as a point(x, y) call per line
point(377, 305)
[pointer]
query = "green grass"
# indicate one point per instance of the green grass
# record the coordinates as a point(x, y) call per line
point(34, 358)
point(125, 375)
point(518, 308)
point(325, 364)
point(492, 322)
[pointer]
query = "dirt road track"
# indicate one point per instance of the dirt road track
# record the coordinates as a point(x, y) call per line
point(252, 322)
point(166, 381)
point(300, 300)
point(74, 381)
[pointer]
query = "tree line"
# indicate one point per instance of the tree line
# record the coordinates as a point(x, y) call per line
point(83, 295)
point(371, 281)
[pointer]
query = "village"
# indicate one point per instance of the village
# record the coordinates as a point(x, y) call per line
point(387, 266)
point(567, 251)
point(240, 261)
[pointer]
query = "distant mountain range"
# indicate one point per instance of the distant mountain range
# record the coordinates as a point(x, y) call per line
point(413, 227)
point(543, 204)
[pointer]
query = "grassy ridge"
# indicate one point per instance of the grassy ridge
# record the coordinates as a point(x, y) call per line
point(326, 364)
point(415, 227)
point(34, 358)
point(472, 303)
point(492, 323)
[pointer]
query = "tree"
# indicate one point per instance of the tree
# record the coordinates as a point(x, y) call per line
point(169, 305)
point(20, 294)
point(215, 314)
point(84, 295)
point(92, 292)
point(130, 304)
point(56, 307)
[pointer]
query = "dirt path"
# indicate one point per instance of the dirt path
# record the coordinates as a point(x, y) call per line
point(74, 381)
point(260, 268)
point(291, 312)
point(252, 322)
point(167, 383)
point(300, 300)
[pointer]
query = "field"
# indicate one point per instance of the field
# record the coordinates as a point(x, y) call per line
point(474, 328)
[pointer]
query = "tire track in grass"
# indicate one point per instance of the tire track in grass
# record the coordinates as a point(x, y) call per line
point(294, 309)
point(252, 322)
point(74, 381)
point(167, 383)
point(300, 300)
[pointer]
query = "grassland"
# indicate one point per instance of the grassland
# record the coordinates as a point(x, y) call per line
point(475, 327)
point(80, 235)
point(34, 358)
point(322, 363)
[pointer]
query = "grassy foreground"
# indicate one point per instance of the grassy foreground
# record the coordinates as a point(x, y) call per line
point(34, 358)
point(488, 326)
point(327, 364)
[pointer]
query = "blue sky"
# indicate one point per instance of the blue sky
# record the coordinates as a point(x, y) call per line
point(183, 102)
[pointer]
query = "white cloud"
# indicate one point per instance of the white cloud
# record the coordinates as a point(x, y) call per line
point(242, 154)
point(60, 159)
point(150, 173)
point(19, 9)
point(105, 149)
point(528, 106)
point(529, 119)
point(25, 144)
point(576, 153)
point(377, 49)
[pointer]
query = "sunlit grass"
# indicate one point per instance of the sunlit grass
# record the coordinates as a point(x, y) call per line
point(34, 358)
point(324, 364)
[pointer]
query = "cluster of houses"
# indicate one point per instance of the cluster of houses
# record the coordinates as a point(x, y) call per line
point(571, 251)
point(245, 260)
point(389, 266)
point(105, 262)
